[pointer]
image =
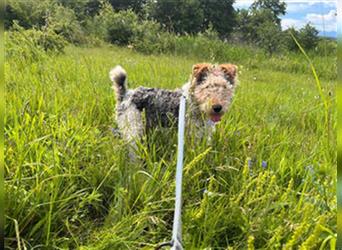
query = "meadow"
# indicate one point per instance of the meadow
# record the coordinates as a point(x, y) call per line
point(267, 180)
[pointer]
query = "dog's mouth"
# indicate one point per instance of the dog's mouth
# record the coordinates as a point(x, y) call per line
point(215, 117)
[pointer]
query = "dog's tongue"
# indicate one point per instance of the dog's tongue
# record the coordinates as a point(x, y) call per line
point(215, 118)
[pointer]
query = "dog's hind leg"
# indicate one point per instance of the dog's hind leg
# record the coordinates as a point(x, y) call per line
point(131, 126)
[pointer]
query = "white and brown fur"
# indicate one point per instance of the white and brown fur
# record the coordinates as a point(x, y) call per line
point(208, 93)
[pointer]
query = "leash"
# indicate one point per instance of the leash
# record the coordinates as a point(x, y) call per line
point(176, 240)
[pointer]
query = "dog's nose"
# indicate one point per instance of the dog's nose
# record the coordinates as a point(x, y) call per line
point(217, 108)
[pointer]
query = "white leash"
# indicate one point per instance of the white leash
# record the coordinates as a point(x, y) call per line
point(176, 241)
point(177, 220)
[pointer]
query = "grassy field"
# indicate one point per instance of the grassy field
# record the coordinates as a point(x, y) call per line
point(268, 180)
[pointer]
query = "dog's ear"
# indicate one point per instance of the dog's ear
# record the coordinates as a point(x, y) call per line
point(230, 70)
point(200, 70)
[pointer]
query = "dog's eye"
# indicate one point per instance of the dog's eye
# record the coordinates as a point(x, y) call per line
point(200, 79)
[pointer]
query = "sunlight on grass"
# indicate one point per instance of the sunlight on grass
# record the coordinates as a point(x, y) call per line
point(318, 83)
point(266, 181)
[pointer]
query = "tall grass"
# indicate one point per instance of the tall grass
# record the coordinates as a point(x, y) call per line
point(318, 83)
point(204, 48)
point(267, 179)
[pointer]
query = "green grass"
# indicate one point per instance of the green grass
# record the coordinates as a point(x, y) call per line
point(69, 183)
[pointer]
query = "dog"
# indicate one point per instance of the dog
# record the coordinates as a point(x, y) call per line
point(208, 94)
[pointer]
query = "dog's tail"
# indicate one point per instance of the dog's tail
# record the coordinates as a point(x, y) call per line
point(118, 76)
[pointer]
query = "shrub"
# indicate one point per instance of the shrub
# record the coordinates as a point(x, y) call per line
point(269, 37)
point(32, 43)
point(147, 37)
point(122, 27)
point(306, 36)
point(179, 16)
point(46, 13)
point(326, 47)
point(63, 21)
point(211, 33)
point(115, 27)
point(28, 13)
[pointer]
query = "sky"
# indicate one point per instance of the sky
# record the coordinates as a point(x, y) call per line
point(321, 14)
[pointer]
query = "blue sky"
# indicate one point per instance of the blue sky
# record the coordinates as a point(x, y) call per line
point(321, 14)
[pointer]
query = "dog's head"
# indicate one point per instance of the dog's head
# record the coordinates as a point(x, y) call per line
point(212, 88)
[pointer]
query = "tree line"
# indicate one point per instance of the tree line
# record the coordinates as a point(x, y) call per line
point(145, 21)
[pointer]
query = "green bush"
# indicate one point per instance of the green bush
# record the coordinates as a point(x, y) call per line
point(326, 47)
point(148, 37)
point(202, 48)
point(63, 21)
point(45, 14)
point(28, 13)
point(179, 16)
point(125, 28)
point(115, 27)
point(32, 43)
point(306, 36)
point(122, 27)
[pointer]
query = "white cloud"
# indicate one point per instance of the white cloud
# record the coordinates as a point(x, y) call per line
point(316, 18)
point(296, 7)
point(240, 4)
point(330, 3)
point(292, 5)
point(299, 6)
point(325, 22)
point(291, 22)
point(322, 22)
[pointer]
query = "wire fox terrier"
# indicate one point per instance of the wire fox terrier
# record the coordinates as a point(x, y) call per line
point(208, 95)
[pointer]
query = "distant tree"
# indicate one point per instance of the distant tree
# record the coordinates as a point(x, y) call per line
point(243, 27)
point(306, 36)
point(180, 16)
point(193, 16)
point(260, 24)
point(276, 7)
point(10, 15)
point(63, 21)
point(28, 13)
point(259, 18)
point(135, 5)
point(83, 9)
point(288, 40)
point(57, 16)
point(221, 14)
point(269, 37)
point(115, 27)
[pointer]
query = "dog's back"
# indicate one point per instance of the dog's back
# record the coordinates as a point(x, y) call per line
point(161, 106)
